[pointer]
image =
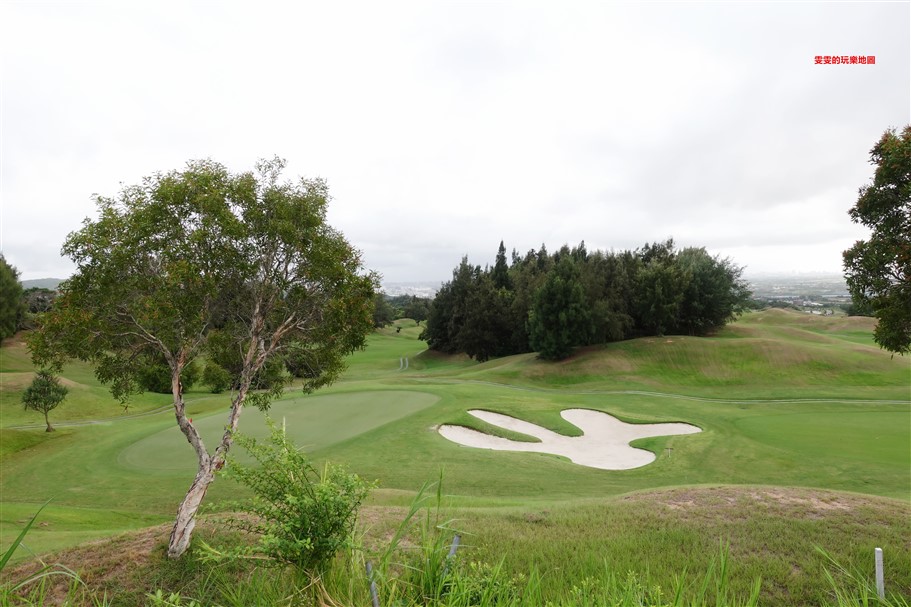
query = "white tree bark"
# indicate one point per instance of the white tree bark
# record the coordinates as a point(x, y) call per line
point(207, 466)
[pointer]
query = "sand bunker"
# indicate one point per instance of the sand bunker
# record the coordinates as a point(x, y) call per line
point(604, 443)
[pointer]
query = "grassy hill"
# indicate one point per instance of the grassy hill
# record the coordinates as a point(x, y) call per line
point(806, 442)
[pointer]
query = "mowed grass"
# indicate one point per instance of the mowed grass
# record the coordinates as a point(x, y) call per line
point(784, 400)
point(86, 399)
point(313, 423)
point(766, 355)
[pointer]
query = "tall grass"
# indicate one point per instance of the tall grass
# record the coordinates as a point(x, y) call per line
point(415, 568)
point(35, 589)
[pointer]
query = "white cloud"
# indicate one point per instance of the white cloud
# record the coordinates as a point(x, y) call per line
point(443, 128)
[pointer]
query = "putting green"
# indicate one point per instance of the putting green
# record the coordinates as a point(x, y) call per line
point(313, 422)
point(879, 437)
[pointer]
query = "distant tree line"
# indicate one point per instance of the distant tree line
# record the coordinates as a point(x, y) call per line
point(552, 303)
point(18, 306)
point(388, 308)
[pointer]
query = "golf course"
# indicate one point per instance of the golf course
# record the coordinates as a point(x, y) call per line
point(800, 448)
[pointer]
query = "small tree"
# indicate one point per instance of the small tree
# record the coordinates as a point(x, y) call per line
point(878, 270)
point(44, 394)
point(185, 253)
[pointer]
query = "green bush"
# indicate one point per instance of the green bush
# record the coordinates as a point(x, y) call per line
point(155, 376)
point(216, 377)
point(302, 516)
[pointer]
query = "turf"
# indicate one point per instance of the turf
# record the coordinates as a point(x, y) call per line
point(786, 400)
point(313, 423)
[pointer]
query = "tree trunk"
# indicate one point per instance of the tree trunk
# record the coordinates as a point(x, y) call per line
point(207, 467)
point(48, 422)
point(186, 513)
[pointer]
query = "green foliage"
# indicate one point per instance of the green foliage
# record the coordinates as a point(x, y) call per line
point(417, 309)
point(449, 308)
point(155, 376)
point(559, 319)
point(500, 272)
point(383, 313)
point(239, 265)
point(216, 377)
point(612, 296)
point(38, 299)
point(878, 270)
point(486, 331)
point(222, 350)
point(302, 516)
point(10, 299)
point(44, 394)
point(305, 362)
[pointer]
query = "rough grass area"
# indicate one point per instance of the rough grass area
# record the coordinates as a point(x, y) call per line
point(767, 532)
point(771, 532)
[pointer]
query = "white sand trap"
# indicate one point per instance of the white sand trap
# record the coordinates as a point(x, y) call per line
point(604, 443)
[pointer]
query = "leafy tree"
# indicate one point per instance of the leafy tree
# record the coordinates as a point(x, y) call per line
point(172, 257)
point(221, 348)
point(383, 313)
point(878, 270)
point(659, 294)
point(449, 309)
point(714, 293)
point(436, 329)
point(216, 377)
point(417, 309)
point(155, 376)
point(10, 299)
point(527, 274)
point(486, 331)
point(38, 299)
point(44, 394)
point(559, 319)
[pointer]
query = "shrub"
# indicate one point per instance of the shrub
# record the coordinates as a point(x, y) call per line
point(302, 516)
point(156, 376)
point(216, 377)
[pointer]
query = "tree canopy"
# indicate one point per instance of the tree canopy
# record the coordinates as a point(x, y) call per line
point(44, 394)
point(242, 267)
point(10, 299)
point(878, 270)
point(552, 303)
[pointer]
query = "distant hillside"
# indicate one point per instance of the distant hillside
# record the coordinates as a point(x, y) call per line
point(42, 283)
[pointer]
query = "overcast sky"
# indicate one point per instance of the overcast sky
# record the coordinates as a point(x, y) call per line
point(443, 128)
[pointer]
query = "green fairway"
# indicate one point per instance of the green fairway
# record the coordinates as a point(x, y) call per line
point(872, 437)
point(86, 400)
point(786, 401)
point(313, 423)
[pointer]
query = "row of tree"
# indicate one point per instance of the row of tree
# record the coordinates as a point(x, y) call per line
point(388, 308)
point(18, 306)
point(552, 303)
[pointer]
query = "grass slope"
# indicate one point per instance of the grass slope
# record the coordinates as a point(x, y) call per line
point(785, 400)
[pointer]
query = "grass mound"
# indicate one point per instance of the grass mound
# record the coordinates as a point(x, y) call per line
point(770, 533)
